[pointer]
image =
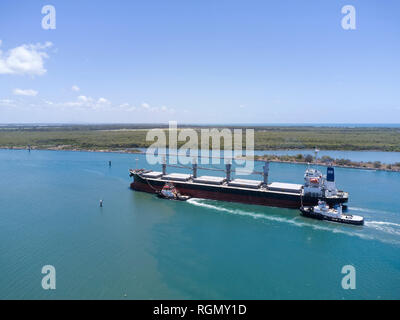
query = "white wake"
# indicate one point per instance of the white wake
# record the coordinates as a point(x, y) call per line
point(298, 221)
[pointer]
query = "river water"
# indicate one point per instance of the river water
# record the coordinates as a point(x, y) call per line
point(140, 247)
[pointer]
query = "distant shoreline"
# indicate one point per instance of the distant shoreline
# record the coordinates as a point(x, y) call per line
point(135, 151)
point(122, 137)
point(370, 165)
point(353, 165)
point(187, 124)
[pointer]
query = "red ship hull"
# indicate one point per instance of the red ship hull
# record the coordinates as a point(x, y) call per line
point(218, 192)
point(212, 195)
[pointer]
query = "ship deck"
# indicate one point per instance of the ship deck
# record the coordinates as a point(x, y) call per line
point(292, 189)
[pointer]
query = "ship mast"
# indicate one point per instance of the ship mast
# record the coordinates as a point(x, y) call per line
point(228, 168)
point(228, 171)
point(194, 163)
point(316, 155)
point(266, 172)
point(164, 166)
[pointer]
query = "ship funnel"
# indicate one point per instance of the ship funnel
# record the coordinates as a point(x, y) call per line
point(330, 174)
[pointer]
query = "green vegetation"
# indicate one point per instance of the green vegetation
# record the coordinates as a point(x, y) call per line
point(325, 160)
point(117, 137)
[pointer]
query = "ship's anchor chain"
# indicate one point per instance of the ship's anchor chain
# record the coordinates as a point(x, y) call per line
point(151, 185)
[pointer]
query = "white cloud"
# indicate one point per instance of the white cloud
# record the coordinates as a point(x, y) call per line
point(242, 106)
point(163, 108)
point(26, 92)
point(103, 101)
point(75, 88)
point(87, 102)
point(85, 99)
point(25, 59)
point(81, 101)
point(7, 103)
point(72, 104)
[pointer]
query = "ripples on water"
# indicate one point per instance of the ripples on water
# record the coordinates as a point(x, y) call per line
point(370, 230)
point(151, 248)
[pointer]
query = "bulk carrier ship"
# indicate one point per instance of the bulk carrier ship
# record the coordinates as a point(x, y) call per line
point(316, 187)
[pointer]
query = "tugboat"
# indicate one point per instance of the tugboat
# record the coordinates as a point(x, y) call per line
point(323, 212)
point(171, 193)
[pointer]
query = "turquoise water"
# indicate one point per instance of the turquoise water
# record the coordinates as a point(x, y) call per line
point(138, 246)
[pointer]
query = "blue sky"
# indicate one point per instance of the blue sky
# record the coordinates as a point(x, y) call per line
point(200, 62)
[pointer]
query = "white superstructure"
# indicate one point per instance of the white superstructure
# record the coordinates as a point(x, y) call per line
point(318, 185)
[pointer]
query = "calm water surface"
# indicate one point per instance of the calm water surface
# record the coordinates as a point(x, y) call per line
point(138, 246)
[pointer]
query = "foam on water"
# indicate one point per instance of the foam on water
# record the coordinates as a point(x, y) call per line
point(384, 223)
point(298, 222)
point(367, 210)
point(386, 227)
